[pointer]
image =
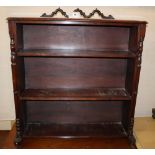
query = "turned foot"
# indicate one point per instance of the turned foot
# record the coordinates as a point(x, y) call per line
point(132, 142)
point(18, 140)
point(153, 113)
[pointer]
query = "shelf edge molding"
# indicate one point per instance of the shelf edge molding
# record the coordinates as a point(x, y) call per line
point(76, 53)
point(75, 94)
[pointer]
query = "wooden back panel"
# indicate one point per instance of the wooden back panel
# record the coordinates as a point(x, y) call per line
point(42, 73)
point(75, 112)
point(75, 37)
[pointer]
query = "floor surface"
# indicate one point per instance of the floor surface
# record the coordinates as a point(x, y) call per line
point(3, 137)
point(59, 143)
point(144, 130)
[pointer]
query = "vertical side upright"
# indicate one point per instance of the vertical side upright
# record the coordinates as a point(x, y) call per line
point(13, 42)
point(135, 80)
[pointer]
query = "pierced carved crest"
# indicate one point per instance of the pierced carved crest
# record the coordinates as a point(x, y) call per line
point(55, 12)
point(82, 13)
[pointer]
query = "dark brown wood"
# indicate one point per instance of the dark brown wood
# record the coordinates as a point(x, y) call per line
point(75, 112)
point(135, 79)
point(16, 83)
point(75, 77)
point(74, 73)
point(74, 37)
point(73, 21)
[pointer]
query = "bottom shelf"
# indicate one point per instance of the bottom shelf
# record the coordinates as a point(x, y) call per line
point(114, 129)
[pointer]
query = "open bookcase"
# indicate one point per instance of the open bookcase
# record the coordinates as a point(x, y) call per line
point(75, 77)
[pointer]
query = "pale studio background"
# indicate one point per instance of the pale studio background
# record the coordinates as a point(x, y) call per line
point(146, 94)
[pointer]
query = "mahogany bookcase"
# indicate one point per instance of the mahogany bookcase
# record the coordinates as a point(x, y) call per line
point(75, 77)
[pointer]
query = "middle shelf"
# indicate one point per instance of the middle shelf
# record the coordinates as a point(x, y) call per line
point(75, 94)
point(81, 53)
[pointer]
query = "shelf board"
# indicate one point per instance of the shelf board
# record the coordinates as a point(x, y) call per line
point(114, 129)
point(93, 53)
point(76, 94)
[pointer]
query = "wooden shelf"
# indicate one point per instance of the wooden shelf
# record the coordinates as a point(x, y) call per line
point(76, 94)
point(114, 129)
point(97, 53)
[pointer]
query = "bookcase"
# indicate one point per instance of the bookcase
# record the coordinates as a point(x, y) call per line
point(75, 77)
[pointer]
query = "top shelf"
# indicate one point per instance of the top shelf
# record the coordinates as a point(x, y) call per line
point(93, 53)
point(80, 21)
point(82, 94)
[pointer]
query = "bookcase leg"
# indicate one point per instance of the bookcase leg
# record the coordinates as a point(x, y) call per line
point(18, 138)
point(17, 142)
point(153, 113)
point(132, 142)
point(131, 137)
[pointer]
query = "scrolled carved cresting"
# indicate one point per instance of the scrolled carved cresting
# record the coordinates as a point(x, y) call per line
point(55, 12)
point(82, 13)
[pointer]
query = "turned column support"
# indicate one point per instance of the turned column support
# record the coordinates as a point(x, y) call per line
point(131, 137)
point(18, 137)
